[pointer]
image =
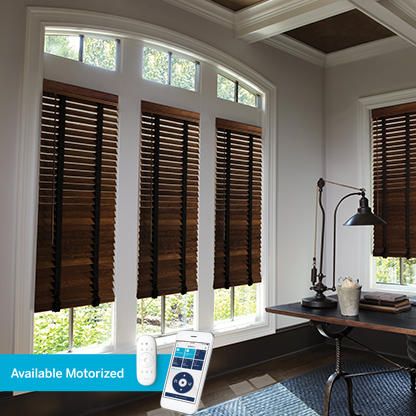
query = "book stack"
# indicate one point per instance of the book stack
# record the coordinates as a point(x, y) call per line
point(385, 302)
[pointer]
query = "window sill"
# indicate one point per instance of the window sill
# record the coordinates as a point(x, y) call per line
point(406, 290)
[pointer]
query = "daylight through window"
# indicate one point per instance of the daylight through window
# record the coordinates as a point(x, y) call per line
point(92, 50)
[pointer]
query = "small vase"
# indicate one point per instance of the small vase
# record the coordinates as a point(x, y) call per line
point(349, 300)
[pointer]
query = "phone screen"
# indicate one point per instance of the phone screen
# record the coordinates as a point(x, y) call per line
point(186, 370)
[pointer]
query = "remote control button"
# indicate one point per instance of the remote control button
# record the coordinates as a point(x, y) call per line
point(146, 359)
point(183, 382)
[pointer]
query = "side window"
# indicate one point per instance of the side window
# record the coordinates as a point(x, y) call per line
point(230, 90)
point(92, 50)
point(238, 220)
point(76, 218)
point(168, 68)
point(168, 216)
point(394, 194)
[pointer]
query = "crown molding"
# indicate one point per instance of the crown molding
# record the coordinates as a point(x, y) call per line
point(407, 7)
point(268, 10)
point(296, 48)
point(207, 9)
point(274, 17)
point(365, 51)
point(388, 19)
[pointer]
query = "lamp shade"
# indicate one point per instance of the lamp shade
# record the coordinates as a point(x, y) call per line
point(364, 216)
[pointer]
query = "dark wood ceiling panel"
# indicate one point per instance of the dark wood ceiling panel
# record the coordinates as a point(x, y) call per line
point(237, 4)
point(339, 32)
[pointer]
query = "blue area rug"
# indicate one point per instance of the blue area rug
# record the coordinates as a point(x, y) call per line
point(379, 395)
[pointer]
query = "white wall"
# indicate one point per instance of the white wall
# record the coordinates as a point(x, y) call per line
point(345, 159)
point(299, 128)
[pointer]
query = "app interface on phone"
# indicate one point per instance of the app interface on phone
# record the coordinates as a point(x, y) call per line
point(188, 364)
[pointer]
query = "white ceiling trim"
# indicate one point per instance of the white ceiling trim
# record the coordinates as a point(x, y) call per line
point(388, 19)
point(408, 7)
point(367, 50)
point(296, 48)
point(274, 17)
point(227, 18)
point(207, 9)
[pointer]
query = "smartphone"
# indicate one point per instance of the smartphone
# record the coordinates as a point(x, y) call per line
point(187, 371)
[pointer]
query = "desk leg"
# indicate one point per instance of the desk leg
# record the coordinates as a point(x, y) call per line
point(339, 373)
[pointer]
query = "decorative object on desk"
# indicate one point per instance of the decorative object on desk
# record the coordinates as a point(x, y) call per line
point(364, 216)
point(349, 293)
point(385, 302)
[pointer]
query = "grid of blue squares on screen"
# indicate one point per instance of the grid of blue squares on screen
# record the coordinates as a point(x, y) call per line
point(188, 358)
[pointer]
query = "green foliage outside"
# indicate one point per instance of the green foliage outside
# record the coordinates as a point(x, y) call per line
point(91, 326)
point(225, 88)
point(245, 302)
point(183, 73)
point(99, 52)
point(156, 65)
point(179, 314)
point(388, 270)
point(50, 333)
point(66, 46)
point(246, 97)
point(156, 68)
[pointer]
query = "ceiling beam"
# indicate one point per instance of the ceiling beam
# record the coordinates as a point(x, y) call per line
point(273, 17)
point(387, 18)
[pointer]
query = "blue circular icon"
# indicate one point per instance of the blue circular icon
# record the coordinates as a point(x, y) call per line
point(183, 382)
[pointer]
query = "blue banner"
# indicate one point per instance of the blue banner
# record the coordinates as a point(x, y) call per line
point(76, 372)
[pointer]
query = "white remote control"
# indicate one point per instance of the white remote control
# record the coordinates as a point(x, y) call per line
point(146, 360)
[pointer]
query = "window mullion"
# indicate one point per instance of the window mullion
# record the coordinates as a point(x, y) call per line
point(401, 271)
point(71, 329)
point(204, 301)
point(163, 315)
point(81, 48)
point(170, 69)
point(232, 303)
point(126, 244)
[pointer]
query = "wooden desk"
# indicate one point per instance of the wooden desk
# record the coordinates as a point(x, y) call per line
point(326, 319)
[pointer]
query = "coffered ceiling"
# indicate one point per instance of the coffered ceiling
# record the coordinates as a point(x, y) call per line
point(236, 4)
point(339, 32)
point(324, 32)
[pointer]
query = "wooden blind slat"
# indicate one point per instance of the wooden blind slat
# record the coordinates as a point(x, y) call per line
point(238, 204)
point(169, 188)
point(77, 181)
point(394, 180)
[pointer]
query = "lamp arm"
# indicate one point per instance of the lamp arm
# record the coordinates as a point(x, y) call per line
point(321, 206)
point(362, 193)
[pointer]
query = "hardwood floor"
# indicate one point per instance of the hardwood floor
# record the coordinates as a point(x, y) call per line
point(218, 389)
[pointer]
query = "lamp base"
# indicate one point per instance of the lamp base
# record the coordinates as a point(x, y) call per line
point(319, 302)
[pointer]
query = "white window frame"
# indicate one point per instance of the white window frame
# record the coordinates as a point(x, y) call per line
point(367, 263)
point(237, 84)
point(170, 52)
point(134, 33)
point(69, 32)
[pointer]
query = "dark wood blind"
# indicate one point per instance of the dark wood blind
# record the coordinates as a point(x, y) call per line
point(77, 193)
point(238, 204)
point(394, 180)
point(168, 201)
